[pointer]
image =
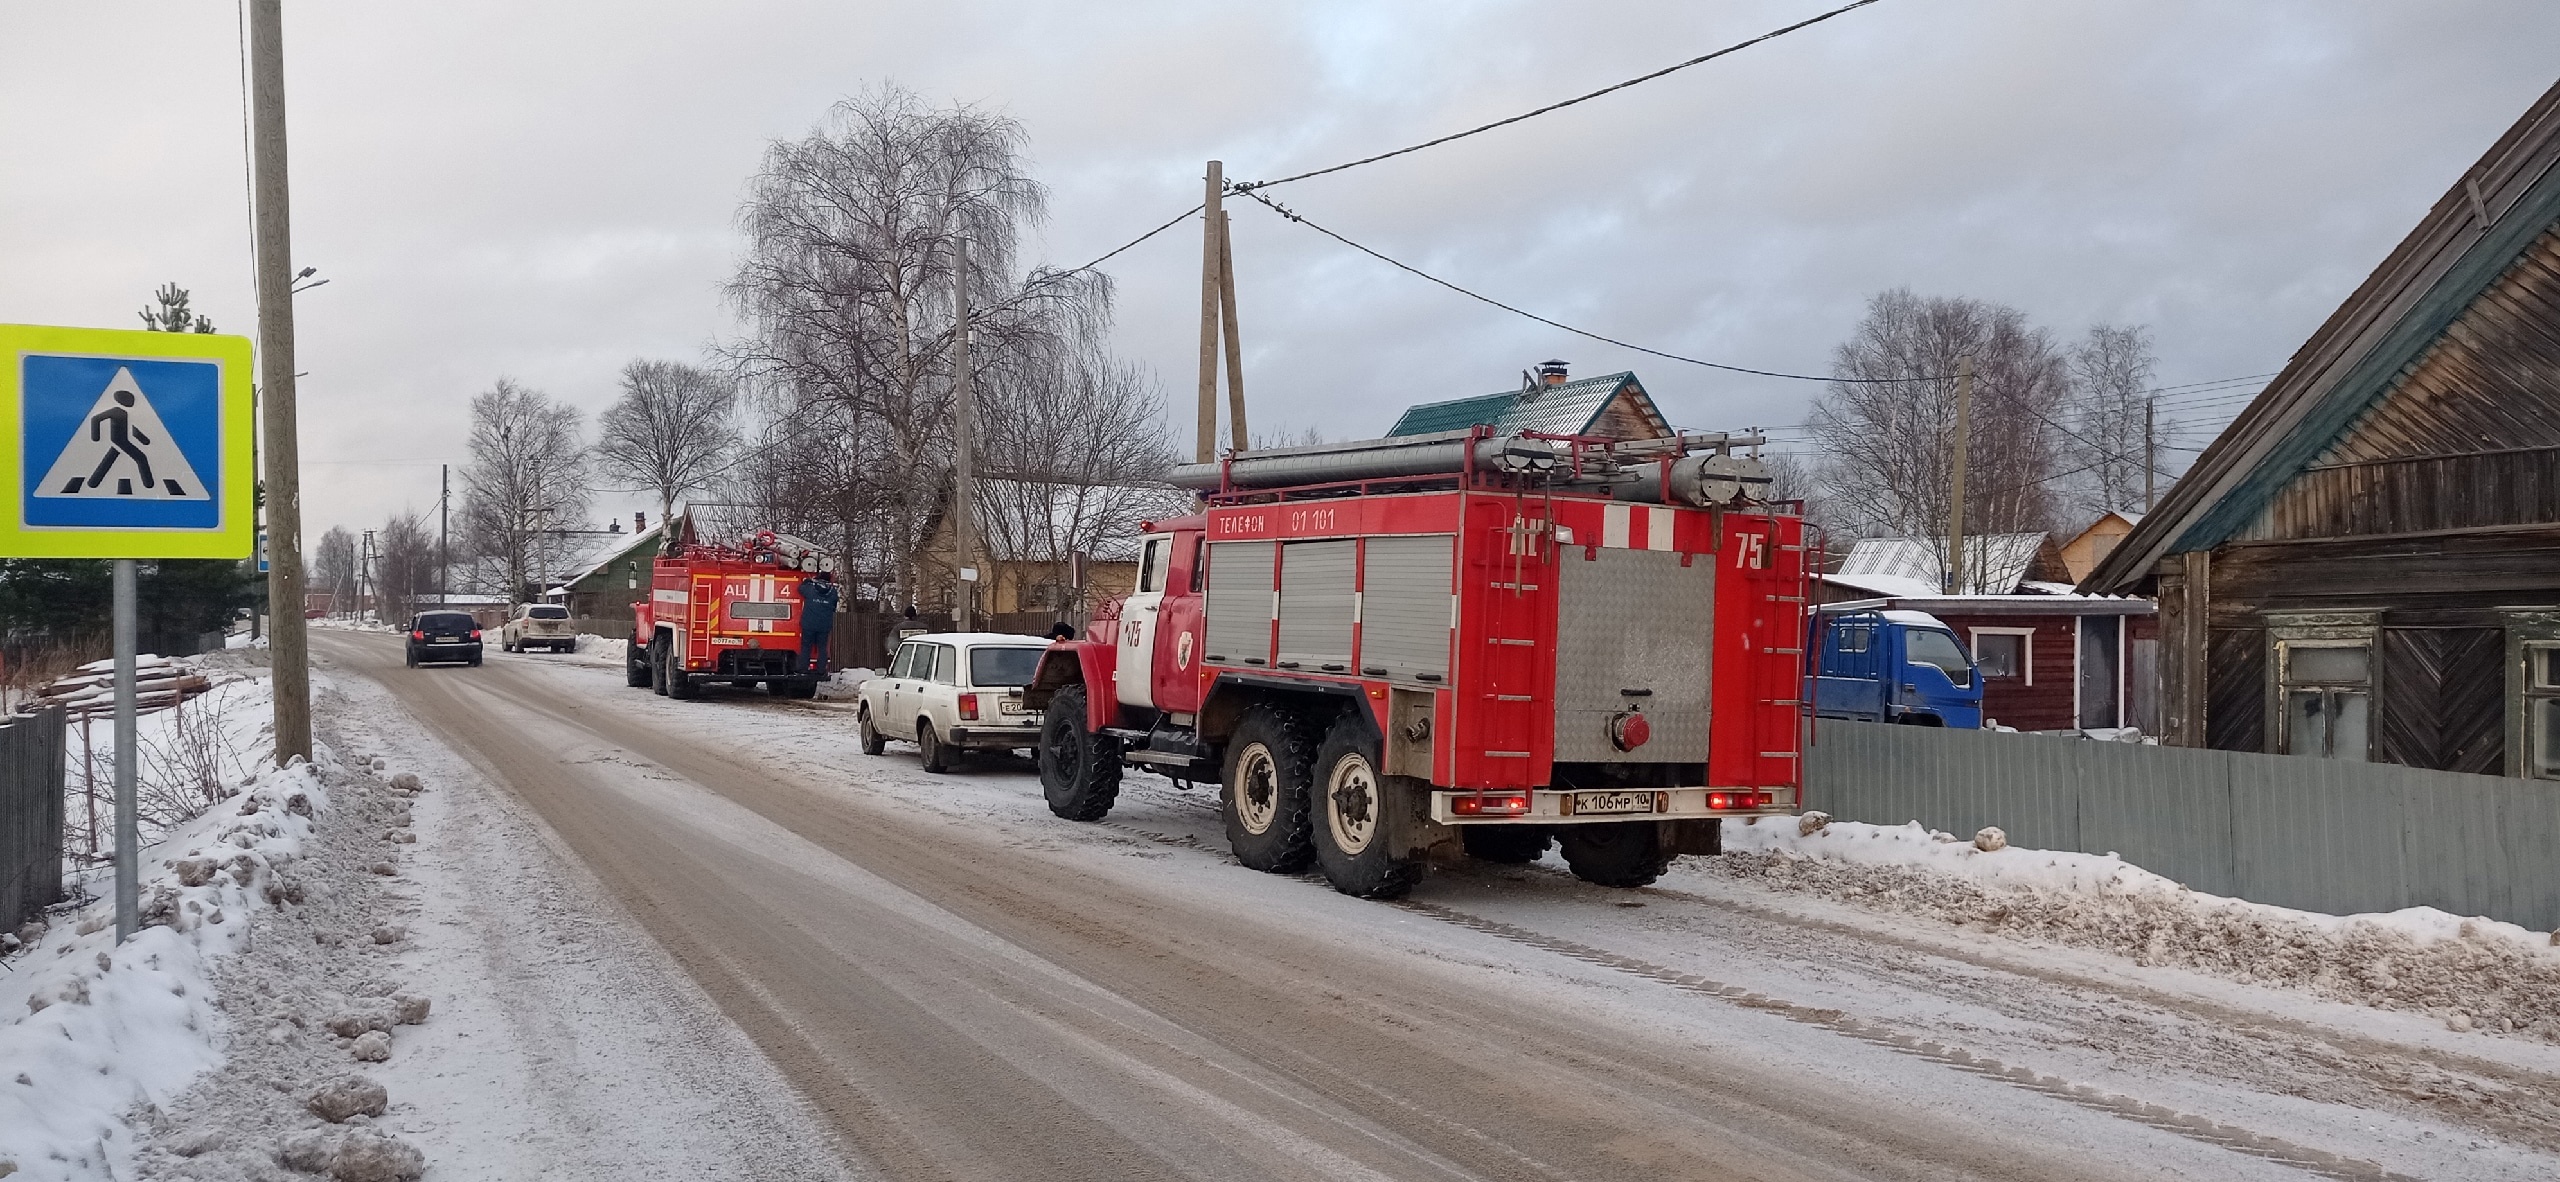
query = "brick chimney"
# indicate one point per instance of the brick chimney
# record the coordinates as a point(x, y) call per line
point(1551, 372)
point(639, 521)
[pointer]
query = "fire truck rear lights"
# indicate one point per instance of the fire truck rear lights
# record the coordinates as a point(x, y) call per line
point(1491, 804)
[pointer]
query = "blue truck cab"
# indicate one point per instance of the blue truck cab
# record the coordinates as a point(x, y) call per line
point(1880, 665)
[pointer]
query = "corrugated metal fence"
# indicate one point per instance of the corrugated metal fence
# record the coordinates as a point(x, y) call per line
point(2316, 834)
point(30, 814)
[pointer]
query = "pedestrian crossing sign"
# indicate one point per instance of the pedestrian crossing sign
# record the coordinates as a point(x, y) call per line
point(130, 444)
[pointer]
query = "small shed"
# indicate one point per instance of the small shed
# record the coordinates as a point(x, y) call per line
point(2052, 659)
point(2366, 564)
point(1612, 406)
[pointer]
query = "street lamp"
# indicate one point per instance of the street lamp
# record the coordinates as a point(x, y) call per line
point(307, 272)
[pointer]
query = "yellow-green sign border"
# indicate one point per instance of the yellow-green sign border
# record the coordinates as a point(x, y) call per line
point(237, 431)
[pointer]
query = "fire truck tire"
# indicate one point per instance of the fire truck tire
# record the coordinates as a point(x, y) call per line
point(1079, 770)
point(1615, 854)
point(1357, 816)
point(930, 749)
point(873, 742)
point(635, 667)
point(1513, 844)
point(658, 665)
point(1270, 760)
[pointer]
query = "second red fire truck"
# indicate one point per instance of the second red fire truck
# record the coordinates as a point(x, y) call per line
point(1389, 649)
point(722, 614)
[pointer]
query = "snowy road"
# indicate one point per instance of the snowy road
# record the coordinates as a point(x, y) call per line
point(965, 987)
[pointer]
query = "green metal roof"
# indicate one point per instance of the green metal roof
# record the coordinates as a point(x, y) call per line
point(1568, 408)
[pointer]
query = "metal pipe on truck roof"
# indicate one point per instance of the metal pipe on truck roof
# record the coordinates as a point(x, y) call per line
point(1370, 459)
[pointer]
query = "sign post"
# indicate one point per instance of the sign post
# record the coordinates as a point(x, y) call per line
point(129, 445)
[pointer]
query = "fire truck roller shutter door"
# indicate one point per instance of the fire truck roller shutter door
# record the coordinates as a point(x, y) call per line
point(1316, 604)
point(1239, 601)
point(1405, 606)
point(1633, 620)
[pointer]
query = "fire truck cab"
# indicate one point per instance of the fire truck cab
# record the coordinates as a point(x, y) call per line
point(1387, 651)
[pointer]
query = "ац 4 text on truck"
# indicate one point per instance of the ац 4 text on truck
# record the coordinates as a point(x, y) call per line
point(718, 613)
point(1385, 649)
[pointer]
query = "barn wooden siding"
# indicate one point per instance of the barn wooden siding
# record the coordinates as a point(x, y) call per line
point(2470, 437)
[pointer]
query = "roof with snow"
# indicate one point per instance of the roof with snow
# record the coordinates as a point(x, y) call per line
point(1995, 564)
point(583, 554)
point(1567, 408)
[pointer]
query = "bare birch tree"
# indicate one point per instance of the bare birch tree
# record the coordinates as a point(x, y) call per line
point(527, 482)
point(849, 285)
point(1887, 429)
point(333, 568)
point(405, 572)
point(2111, 372)
point(669, 431)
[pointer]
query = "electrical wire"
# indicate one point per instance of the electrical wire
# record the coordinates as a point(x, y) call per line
point(1479, 297)
point(1613, 88)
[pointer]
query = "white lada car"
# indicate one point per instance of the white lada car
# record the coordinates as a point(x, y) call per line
point(953, 692)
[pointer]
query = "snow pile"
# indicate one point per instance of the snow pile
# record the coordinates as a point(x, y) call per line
point(611, 647)
point(845, 685)
point(188, 758)
point(2473, 973)
point(92, 1029)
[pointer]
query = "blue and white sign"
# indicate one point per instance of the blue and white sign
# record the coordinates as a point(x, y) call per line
point(130, 444)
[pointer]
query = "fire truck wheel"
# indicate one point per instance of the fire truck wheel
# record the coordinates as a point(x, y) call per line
point(929, 748)
point(658, 665)
point(635, 666)
point(1269, 762)
point(1615, 854)
point(1079, 770)
point(1514, 844)
point(873, 742)
point(1357, 815)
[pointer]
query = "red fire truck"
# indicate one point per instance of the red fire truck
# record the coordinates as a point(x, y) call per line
point(1383, 650)
point(718, 613)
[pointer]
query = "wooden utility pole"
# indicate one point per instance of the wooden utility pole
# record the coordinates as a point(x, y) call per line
point(2150, 453)
point(964, 431)
point(288, 642)
point(1236, 437)
point(1963, 444)
point(1213, 222)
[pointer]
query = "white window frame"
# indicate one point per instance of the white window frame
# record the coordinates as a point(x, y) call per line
point(2528, 692)
point(2026, 651)
point(2287, 685)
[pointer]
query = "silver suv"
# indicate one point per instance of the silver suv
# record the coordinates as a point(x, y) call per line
point(538, 625)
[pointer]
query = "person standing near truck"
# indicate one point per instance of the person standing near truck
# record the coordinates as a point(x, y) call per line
point(818, 596)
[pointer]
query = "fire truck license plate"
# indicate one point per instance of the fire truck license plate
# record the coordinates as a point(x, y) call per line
point(1612, 802)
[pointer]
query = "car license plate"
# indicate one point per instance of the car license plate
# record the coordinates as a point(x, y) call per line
point(1612, 802)
point(445, 640)
point(1012, 704)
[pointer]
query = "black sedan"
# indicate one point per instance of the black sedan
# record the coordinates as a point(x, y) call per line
point(444, 636)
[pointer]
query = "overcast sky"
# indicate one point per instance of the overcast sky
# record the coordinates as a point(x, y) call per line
point(546, 191)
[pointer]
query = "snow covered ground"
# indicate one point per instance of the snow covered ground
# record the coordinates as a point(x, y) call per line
point(2052, 995)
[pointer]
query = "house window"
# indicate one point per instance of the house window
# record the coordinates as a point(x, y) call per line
point(2005, 654)
point(2542, 711)
point(2327, 695)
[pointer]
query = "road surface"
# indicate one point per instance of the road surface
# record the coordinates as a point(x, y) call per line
point(965, 988)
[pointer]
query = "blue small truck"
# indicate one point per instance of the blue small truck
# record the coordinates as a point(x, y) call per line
point(1876, 664)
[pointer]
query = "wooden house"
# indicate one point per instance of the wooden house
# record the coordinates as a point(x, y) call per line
point(2366, 564)
point(2051, 659)
point(2091, 546)
point(1611, 406)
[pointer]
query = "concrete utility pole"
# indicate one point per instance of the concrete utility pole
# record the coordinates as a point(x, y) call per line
point(288, 643)
point(964, 432)
point(1213, 223)
point(444, 535)
point(2150, 454)
point(1964, 444)
point(1236, 436)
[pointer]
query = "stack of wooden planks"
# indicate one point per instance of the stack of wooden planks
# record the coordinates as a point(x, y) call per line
point(90, 691)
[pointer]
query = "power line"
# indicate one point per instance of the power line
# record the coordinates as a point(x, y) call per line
point(1640, 79)
point(1410, 269)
